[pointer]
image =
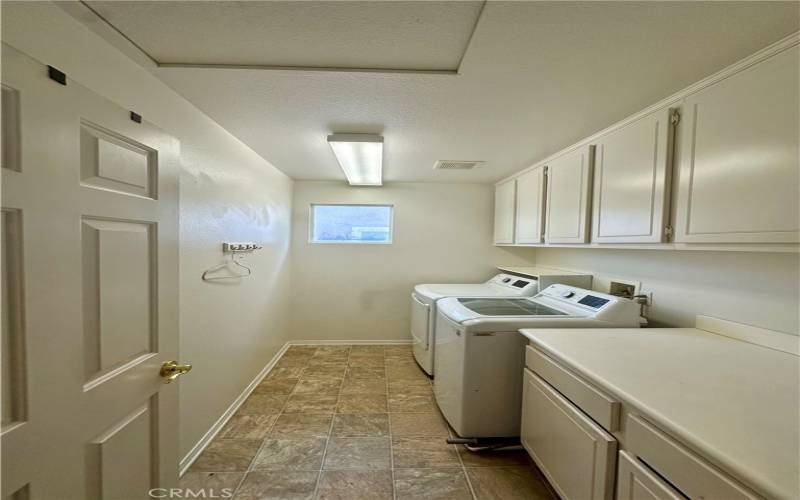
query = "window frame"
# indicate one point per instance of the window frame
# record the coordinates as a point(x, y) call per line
point(312, 241)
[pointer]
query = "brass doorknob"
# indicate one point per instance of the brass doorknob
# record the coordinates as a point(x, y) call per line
point(172, 370)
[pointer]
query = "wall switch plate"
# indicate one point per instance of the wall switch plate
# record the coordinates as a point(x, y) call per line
point(624, 288)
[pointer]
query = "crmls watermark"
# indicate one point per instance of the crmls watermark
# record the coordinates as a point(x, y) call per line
point(190, 493)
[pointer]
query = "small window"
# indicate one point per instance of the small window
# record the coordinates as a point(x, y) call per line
point(351, 224)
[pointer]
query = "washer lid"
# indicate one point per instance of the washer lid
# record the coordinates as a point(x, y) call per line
point(508, 307)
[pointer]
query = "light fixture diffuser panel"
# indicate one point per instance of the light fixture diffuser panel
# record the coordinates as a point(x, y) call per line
point(360, 156)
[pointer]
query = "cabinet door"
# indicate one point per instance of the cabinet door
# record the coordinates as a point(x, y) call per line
point(635, 482)
point(504, 204)
point(568, 180)
point(631, 175)
point(530, 206)
point(575, 454)
point(740, 166)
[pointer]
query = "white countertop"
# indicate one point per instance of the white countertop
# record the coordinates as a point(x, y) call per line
point(735, 403)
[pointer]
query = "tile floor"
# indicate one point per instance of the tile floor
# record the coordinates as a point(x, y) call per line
point(350, 423)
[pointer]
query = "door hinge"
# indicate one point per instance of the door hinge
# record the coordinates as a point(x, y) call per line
point(57, 75)
point(675, 118)
point(668, 231)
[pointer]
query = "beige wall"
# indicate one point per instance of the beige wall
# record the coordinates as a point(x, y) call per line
point(442, 233)
point(759, 289)
point(228, 332)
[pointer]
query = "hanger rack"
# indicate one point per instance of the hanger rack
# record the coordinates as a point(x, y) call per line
point(231, 249)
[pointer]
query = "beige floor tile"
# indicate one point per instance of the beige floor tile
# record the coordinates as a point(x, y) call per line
point(355, 485)
point(398, 351)
point(284, 371)
point(371, 361)
point(333, 350)
point(412, 403)
point(367, 351)
point(263, 404)
point(248, 427)
point(361, 403)
point(276, 386)
point(364, 386)
point(311, 403)
point(290, 454)
point(324, 371)
point(301, 350)
point(296, 362)
point(423, 452)
point(328, 386)
point(219, 484)
point(418, 425)
point(227, 455)
point(415, 382)
point(368, 372)
point(497, 458)
point(399, 389)
point(301, 425)
point(406, 373)
point(280, 485)
point(431, 484)
point(358, 453)
point(511, 483)
point(360, 425)
point(325, 360)
point(405, 362)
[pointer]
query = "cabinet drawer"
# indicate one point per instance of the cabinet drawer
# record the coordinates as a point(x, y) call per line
point(575, 454)
point(602, 408)
point(689, 473)
point(636, 482)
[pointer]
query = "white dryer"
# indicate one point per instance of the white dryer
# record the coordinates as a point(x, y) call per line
point(480, 352)
point(424, 298)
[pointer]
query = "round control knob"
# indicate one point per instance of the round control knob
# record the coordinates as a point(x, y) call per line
point(568, 294)
point(506, 280)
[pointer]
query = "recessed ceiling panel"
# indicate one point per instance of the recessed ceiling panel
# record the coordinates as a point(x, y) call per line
point(426, 36)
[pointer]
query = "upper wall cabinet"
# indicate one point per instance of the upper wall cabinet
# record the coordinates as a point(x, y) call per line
point(530, 206)
point(631, 180)
point(739, 160)
point(504, 205)
point(569, 180)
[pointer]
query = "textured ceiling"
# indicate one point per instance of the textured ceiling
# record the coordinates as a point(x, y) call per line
point(537, 76)
point(396, 35)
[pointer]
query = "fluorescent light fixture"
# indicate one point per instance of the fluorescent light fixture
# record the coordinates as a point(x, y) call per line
point(360, 156)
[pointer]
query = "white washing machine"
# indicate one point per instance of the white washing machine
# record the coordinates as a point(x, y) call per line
point(424, 297)
point(480, 354)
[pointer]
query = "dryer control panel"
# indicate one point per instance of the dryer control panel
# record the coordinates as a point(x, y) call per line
point(590, 299)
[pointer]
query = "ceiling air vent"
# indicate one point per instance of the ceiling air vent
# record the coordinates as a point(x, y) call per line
point(457, 165)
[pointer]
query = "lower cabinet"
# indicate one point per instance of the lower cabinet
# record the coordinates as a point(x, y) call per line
point(576, 455)
point(636, 482)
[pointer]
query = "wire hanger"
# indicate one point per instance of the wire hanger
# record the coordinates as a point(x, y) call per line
point(224, 265)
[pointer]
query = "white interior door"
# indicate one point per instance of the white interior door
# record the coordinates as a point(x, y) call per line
point(740, 157)
point(530, 206)
point(631, 181)
point(569, 179)
point(89, 267)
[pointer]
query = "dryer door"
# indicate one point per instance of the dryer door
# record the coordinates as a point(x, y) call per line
point(420, 322)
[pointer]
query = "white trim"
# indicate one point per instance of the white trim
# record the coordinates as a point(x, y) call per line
point(765, 53)
point(350, 342)
point(204, 441)
point(771, 339)
point(709, 247)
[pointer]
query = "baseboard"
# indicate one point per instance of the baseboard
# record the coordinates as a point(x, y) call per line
point(350, 342)
point(198, 448)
